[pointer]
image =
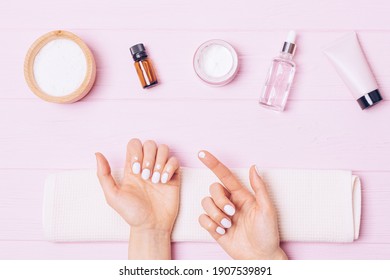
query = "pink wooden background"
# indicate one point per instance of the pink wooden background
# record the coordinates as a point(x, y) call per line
point(322, 128)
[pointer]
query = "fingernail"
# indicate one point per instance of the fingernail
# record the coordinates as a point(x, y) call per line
point(220, 231)
point(156, 177)
point(202, 155)
point(228, 209)
point(164, 177)
point(226, 223)
point(145, 174)
point(136, 167)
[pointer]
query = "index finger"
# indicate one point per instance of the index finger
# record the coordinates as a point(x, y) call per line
point(220, 170)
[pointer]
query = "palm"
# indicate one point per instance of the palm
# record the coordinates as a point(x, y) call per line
point(252, 233)
point(144, 203)
point(244, 223)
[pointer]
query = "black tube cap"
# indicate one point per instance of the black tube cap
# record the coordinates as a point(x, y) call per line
point(370, 99)
point(138, 52)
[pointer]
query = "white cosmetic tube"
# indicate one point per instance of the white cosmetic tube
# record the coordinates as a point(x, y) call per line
point(348, 58)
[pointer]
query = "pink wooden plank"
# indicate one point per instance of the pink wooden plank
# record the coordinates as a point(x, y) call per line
point(21, 200)
point(21, 194)
point(114, 250)
point(301, 251)
point(14, 250)
point(315, 132)
point(315, 79)
point(203, 14)
point(310, 134)
point(183, 251)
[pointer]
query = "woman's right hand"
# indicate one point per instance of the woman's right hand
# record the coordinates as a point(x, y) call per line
point(147, 198)
point(244, 224)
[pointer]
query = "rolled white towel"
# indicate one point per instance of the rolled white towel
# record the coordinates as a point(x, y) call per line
point(312, 206)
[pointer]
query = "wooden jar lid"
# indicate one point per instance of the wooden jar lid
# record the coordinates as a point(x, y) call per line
point(90, 75)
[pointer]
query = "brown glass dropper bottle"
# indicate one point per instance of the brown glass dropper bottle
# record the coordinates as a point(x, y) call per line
point(144, 66)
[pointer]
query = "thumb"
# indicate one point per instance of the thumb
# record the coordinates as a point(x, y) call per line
point(258, 186)
point(105, 178)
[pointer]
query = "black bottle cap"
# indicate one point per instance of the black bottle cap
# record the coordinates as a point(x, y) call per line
point(370, 99)
point(138, 52)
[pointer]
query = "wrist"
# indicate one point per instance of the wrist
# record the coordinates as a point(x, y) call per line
point(279, 255)
point(149, 243)
point(150, 234)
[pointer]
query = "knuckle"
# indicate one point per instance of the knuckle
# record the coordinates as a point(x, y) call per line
point(213, 186)
point(206, 221)
point(216, 216)
point(225, 174)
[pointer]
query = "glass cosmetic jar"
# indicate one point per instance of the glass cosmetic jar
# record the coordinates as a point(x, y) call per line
point(216, 62)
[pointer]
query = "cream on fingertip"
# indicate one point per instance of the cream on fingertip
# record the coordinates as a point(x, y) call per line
point(202, 154)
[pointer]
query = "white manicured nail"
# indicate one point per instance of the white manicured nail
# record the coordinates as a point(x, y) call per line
point(164, 177)
point(145, 174)
point(156, 177)
point(228, 209)
point(202, 155)
point(226, 223)
point(220, 231)
point(136, 168)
